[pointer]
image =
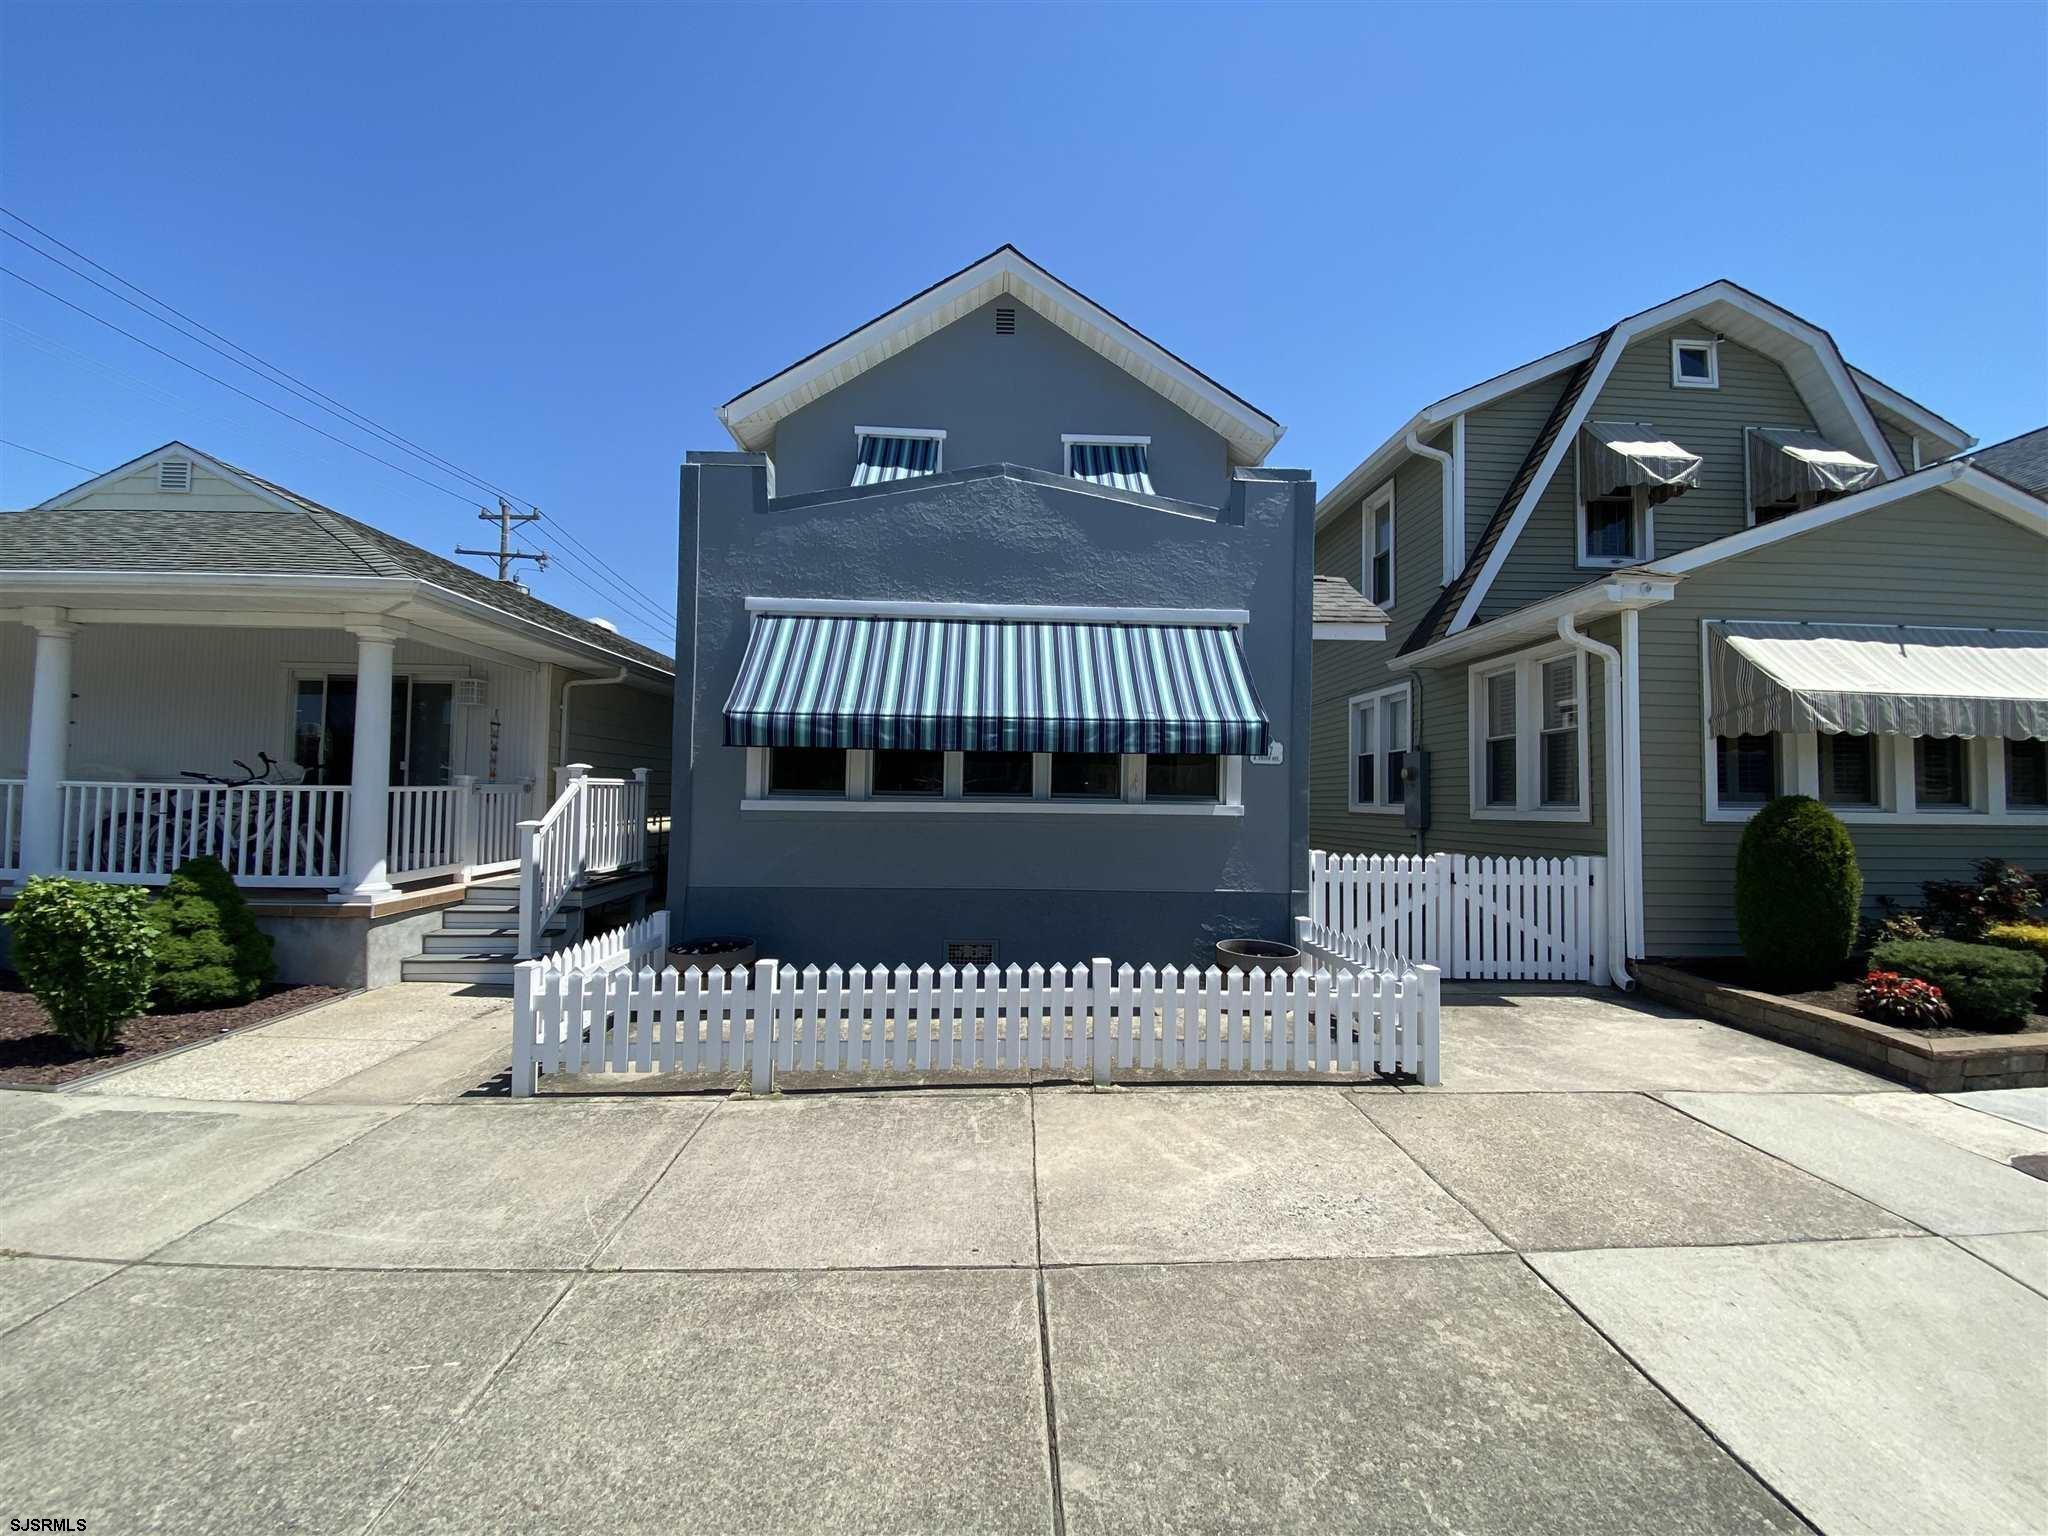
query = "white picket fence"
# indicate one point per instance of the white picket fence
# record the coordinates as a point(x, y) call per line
point(602, 1007)
point(1473, 918)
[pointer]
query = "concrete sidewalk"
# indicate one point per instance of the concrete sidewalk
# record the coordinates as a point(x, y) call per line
point(1714, 1286)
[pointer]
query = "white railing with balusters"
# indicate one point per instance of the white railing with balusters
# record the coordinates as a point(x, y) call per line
point(425, 833)
point(10, 826)
point(595, 827)
point(498, 808)
point(264, 834)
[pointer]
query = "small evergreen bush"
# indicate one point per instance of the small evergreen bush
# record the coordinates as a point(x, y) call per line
point(84, 951)
point(2029, 938)
point(1798, 891)
point(209, 951)
point(1986, 987)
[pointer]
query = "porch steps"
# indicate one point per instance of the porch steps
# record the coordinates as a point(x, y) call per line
point(478, 940)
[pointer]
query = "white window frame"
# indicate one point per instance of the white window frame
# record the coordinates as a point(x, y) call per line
point(1368, 510)
point(1528, 669)
point(860, 799)
point(935, 434)
point(1711, 345)
point(296, 672)
point(1379, 701)
point(1645, 527)
point(1799, 772)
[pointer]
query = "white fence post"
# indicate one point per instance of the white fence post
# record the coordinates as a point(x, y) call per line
point(1431, 1069)
point(767, 978)
point(525, 976)
point(1101, 995)
point(468, 808)
point(636, 833)
point(529, 891)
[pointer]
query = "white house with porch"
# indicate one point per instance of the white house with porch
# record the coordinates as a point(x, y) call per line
point(196, 660)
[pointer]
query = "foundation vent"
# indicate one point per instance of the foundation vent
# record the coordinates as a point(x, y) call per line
point(970, 951)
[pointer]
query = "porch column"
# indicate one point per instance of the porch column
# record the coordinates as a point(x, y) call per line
point(369, 800)
point(49, 743)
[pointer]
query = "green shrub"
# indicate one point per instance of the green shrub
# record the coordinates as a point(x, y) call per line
point(1797, 893)
point(83, 950)
point(2030, 938)
point(1986, 987)
point(209, 951)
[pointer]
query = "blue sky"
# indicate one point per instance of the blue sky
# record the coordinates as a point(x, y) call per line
point(545, 241)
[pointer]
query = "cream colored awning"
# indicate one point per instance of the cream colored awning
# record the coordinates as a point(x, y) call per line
point(1785, 465)
point(1877, 679)
point(1617, 456)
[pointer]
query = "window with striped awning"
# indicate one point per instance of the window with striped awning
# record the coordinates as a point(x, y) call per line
point(987, 685)
point(1120, 463)
point(896, 453)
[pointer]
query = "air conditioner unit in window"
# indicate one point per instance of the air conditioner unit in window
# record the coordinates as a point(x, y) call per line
point(469, 690)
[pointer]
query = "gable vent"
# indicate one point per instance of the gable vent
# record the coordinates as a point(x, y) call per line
point(174, 475)
point(1006, 321)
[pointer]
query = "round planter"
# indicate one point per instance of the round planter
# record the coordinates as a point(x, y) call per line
point(1257, 955)
point(711, 954)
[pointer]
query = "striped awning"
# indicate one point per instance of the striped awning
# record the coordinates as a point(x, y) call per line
point(879, 457)
point(1122, 466)
point(981, 685)
point(1877, 679)
point(1785, 465)
point(1618, 456)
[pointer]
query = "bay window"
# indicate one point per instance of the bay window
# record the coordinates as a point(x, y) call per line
point(1528, 736)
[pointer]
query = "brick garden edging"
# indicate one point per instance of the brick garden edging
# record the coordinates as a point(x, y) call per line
point(1937, 1065)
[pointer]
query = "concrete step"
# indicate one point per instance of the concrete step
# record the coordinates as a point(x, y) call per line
point(489, 919)
point(497, 941)
point(491, 898)
point(482, 969)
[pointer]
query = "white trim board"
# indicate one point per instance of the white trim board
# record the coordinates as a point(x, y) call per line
point(861, 608)
point(751, 417)
point(1742, 318)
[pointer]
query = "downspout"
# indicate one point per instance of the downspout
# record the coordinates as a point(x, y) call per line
point(1618, 873)
point(581, 682)
point(1448, 561)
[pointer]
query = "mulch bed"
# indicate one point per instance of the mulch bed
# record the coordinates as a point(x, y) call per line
point(32, 1054)
point(1841, 997)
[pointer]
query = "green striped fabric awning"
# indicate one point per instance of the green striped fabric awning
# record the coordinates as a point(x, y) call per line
point(879, 458)
point(1124, 466)
point(982, 685)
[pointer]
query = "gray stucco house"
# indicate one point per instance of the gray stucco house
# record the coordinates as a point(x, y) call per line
point(995, 637)
point(1775, 572)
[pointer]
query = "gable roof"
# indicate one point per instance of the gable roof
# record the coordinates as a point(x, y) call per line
point(2020, 461)
point(751, 416)
point(312, 540)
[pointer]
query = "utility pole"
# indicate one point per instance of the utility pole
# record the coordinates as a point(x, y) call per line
point(505, 554)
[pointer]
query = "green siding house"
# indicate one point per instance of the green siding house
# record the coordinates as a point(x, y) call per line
point(1639, 586)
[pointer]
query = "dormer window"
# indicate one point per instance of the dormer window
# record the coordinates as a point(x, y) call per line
point(174, 475)
point(897, 453)
point(1792, 470)
point(1695, 364)
point(1121, 463)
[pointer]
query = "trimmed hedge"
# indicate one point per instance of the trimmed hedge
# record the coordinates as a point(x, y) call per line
point(2028, 937)
point(1986, 987)
point(209, 951)
point(83, 950)
point(1798, 892)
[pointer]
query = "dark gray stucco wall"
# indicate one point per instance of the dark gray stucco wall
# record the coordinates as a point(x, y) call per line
point(1000, 399)
point(835, 887)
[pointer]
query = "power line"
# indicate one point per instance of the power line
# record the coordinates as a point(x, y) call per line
point(333, 406)
point(505, 553)
point(24, 447)
point(664, 615)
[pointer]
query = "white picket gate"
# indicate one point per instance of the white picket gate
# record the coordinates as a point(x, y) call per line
point(1473, 918)
point(601, 1007)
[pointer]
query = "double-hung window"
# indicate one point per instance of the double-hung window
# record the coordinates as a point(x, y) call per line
point(1376, 575)
point(1379, 750)
point(1528, 736)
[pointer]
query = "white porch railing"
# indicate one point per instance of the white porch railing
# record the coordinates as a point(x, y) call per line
point(10, 826)
point(607, 1010)
point(1478, 918)
point(595, 827)
point(263, 834)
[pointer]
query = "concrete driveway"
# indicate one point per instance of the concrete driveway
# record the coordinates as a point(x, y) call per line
point(1624, 1272)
